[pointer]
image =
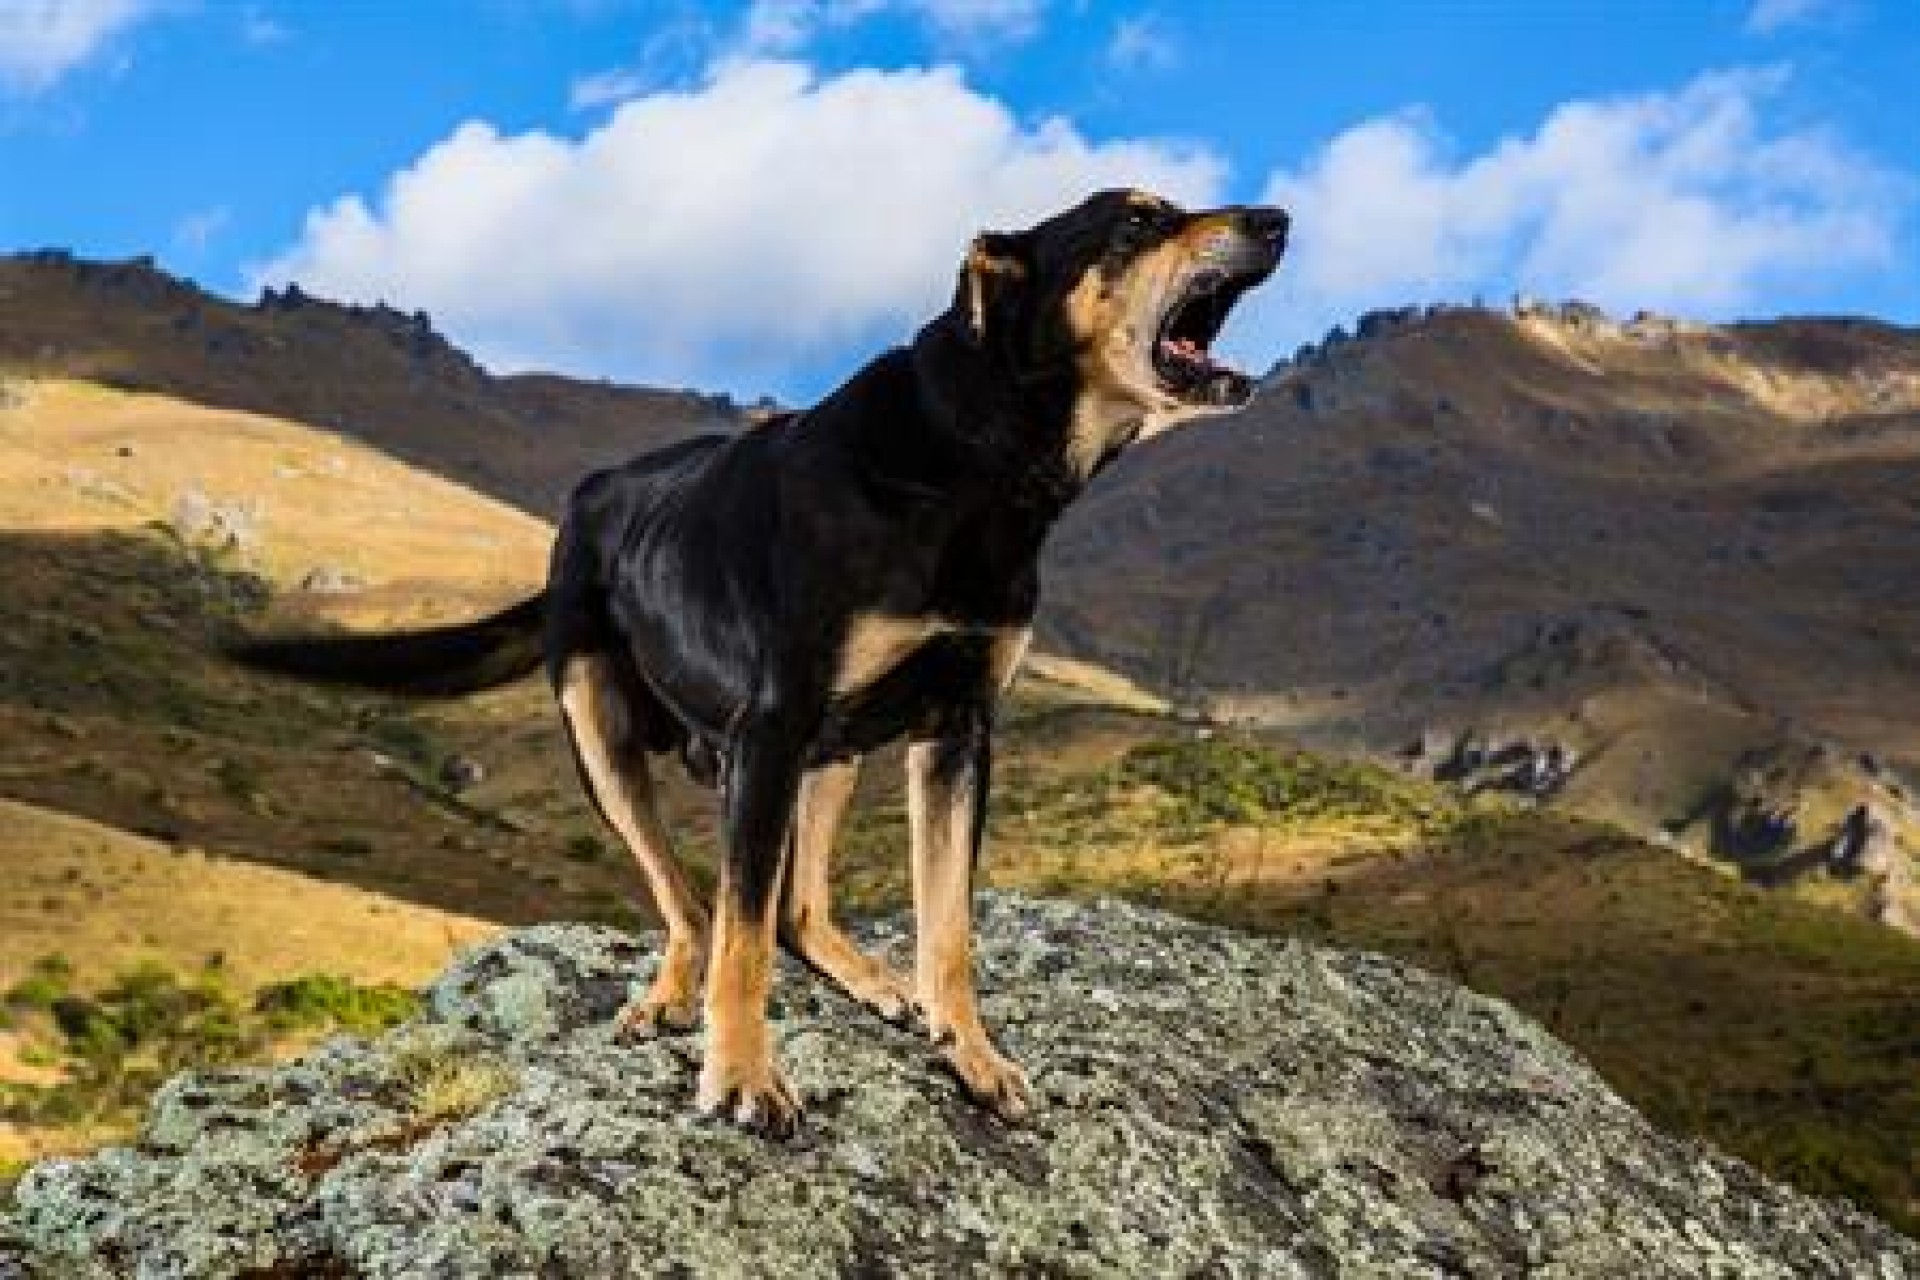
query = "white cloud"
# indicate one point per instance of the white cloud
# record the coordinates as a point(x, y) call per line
point(42, 40)
point(600, 88)
point(671, 50)
point(786, 26)
point(1769, 16)
point(725, 235)
point(1692, 201)
point(200, 228)
point(261, 31)
point(1141, 43)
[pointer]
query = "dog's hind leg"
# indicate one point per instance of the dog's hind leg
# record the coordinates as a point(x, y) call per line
point(806, 913)
point(608, 743)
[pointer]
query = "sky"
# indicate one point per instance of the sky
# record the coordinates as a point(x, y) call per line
point(752, 198)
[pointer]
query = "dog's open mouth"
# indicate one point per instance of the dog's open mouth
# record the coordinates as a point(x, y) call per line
point(1181, 358)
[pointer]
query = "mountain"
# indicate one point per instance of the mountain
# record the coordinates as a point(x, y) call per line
point(1661, 573)
point(380, 375)
point(1658, 573)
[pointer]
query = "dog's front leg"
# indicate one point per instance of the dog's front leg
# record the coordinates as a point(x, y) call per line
point(739, 1076)
point(807, 925)
point(947, 779)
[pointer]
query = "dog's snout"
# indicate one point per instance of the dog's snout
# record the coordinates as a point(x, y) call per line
point(1266, 224)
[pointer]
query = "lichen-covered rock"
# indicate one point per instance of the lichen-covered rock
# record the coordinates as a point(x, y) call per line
point(1212, 1104)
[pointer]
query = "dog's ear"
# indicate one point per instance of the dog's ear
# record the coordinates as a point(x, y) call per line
point(993, 284)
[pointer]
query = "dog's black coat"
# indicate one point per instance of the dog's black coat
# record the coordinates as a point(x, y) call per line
point(720, 577)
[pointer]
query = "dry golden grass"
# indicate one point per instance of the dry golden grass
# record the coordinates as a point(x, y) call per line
point(78, 458)
point(124, 900)
point(443, 1082)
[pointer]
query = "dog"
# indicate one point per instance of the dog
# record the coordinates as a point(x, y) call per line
point(774, 605)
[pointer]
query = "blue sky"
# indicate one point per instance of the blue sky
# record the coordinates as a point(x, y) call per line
point(750, 197)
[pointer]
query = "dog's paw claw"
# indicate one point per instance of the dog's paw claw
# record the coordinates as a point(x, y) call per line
point(652, 1016)
point(892, 1007)
point(760, 1101)
point(990, 1078)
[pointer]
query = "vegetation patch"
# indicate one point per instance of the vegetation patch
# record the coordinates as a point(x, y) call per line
point(111, 1048)
point(1190, 789)
point(327, 1001)
point(449, 1082)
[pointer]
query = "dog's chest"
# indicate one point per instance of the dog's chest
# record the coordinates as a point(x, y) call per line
point(877, 644)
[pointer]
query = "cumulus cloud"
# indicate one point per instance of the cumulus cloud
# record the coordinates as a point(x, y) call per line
point(1141, 43)
point(42, 40)
point(599, 88)
point(725, 235)
point(1769, 16)
point(785, 26)
point(1693, 201)
point(199, 229)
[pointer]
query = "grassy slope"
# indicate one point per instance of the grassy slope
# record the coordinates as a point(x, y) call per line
point(1779, 1030)
point(106, 900)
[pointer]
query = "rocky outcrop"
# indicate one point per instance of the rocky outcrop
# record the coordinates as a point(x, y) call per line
point(1866, 847)
point(1863, 845)
point(1532, 768)
point(1213, 1104)
point(1751, 831)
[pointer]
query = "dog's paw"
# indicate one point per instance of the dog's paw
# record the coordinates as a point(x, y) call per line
point(657, 1013)
point(884, 992)
point(755, 1096)
point(990, 1078)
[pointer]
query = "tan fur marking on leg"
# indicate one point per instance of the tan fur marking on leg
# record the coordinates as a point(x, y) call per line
point(1009, 650)
point(737, 1074)
point(624, 790)
point(940, 815)
point(807, 906)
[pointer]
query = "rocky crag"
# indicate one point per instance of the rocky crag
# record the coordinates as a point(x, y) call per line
point(1214, 1104)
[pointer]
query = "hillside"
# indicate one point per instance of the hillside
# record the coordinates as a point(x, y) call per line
point(1659, 572)
point(139, 531)
point(1656, 573)
point(374, 373)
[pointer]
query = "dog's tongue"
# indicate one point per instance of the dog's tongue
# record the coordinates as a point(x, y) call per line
point(1187, 350)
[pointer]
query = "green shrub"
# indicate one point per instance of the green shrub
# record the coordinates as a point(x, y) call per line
point(1228, 780)
point(119, 1044)
point(328, 1000)
point(585, 847)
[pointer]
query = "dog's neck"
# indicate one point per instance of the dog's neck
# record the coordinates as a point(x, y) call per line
point(1012, 426)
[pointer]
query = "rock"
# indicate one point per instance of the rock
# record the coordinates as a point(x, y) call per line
point(1212, 1104)
point(461, 773)
point(1754, 829)
point(1518, 766)
point(1862, 846)
point(327, 579)
point(224, 525)
point(1865, 847)
point(1381, 323)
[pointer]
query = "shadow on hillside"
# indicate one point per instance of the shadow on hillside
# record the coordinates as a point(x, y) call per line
point(117, 704)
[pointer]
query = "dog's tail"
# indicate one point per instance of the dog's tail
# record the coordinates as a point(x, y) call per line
point(440, 662)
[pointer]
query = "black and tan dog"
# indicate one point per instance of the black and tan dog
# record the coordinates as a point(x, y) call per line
point(775, 605)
